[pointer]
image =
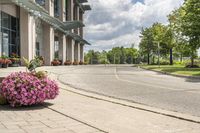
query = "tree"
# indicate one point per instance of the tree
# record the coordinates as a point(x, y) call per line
point(147, 43)
point(131, 55)
point(159, 37)
point(190, 25)
point(174, 33)
point(92, 57)
point(103, 59)
point(115, 56)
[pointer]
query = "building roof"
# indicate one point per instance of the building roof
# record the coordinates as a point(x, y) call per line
point(82, 1)
point(77, 38)
point(83, 7)
point(86, 7)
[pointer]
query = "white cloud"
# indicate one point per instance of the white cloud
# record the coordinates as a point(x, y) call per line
point(118, 22)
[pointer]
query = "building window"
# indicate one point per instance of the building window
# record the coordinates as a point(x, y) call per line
point(56, 47)
point(56, 8)
point(39, 37)
point(40, 2)
point(66, 9)
point(37, 49)
point(9, 35)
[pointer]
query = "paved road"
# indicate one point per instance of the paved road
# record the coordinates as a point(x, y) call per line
point(136, 85)
point(133, 84)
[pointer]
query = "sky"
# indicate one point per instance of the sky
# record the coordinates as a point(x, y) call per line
point(113, 23)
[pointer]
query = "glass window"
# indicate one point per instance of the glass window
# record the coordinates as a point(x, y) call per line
point(66, 9)
point(56, 8)
point(13, 49)
point(56, 47)
point(37, 49)
point(13, 23)
point(9, 34)
point(5, 18)
point(5, 42)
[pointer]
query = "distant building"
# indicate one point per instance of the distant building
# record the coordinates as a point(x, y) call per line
point(47, 28)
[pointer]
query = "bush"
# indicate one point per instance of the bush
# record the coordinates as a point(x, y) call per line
point(164, 62)
point(25, 88)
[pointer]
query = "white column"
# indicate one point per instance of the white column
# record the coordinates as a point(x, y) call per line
point(49, 6)
point(27, 35)
point(71, 16)
point(77, 52)
point(77, 13)
point(62, 48)
point(82, 52)
point(63, 7)
point(49, 35)
point(70, 49)
point(48, 44)
point(70, 42)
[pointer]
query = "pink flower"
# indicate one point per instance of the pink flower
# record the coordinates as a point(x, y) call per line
point(26, 89)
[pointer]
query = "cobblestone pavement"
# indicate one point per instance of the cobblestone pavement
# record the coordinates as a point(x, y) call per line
point(39, 119)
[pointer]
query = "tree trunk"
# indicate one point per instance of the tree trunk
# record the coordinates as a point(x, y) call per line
point(181, 57)
point(171, 56)
point(192, 61)
point(148, 60)
point(153, 60)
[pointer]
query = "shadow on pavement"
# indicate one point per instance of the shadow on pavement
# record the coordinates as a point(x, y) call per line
point(192, 80)
point(25, 108)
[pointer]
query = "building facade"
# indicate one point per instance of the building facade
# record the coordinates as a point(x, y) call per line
point(48, 28)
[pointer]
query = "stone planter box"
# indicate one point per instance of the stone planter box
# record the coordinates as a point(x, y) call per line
point(1, 78)
point(2, 99)
point(4, 65)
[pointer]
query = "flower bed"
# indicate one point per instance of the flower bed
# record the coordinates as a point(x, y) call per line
point(25, 88)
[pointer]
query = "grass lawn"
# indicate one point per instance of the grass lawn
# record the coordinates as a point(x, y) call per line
point(175, 69)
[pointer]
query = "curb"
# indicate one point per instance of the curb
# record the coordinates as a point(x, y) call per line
point(176, 115)
point(175, 75)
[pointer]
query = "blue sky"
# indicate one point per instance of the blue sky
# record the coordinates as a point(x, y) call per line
point(113, 23)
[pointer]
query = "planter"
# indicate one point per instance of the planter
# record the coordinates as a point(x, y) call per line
point(55, 64)
point(31, 89)
point(2, 100)
point(14, 65)
point(67, 63)
point(61, 62)
point(4, 65)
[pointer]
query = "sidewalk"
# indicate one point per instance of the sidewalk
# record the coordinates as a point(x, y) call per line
point(39, 119)
point(75, 113)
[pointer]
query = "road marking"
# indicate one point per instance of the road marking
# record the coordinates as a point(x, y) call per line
point(139, 83)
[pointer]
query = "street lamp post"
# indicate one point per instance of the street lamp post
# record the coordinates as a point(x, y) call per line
point(158, 45)
point(159, 54)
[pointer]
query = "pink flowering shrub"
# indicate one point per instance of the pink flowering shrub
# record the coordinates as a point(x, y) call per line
point(25, 88)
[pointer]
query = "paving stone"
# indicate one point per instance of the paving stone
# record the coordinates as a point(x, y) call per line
point(12, 131)
point(83, 129)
